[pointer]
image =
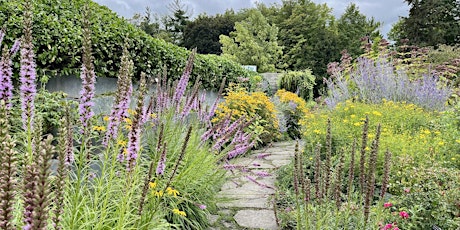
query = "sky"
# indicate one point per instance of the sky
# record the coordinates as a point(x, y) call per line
point(385, 11)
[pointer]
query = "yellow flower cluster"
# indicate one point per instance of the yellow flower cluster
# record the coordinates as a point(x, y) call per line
point(256, 105)
point(286, 97)
point(99, 128)
point(179, 212)
point(407, 130)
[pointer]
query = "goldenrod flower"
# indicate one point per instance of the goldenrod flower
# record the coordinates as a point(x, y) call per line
point(171, 191)
point(157, 193)
point(376, 113)
point(132, 112)
point(128, 121)
point(122, 143)
point(99, 128)
point(152, 184)
point(179, 212)
point(106, 118)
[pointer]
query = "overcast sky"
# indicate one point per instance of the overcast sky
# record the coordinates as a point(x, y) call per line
point(385, 11)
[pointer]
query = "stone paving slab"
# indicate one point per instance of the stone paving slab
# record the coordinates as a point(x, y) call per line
point(259, 202)
point(250, 191)
point(258, 219)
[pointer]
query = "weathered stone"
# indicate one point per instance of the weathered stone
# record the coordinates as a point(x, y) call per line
point(259, 219)
point(262, 202)
point(253, 163)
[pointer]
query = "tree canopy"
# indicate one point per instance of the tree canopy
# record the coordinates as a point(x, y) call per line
point(254, 42)
point(430, 22)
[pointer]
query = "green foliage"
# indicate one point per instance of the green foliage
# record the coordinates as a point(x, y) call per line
point(407, 130)
point(254, 42)
point(430, 23)
point(203, 32)
point(352, 26)
point(430, 194)
point(292, 109)
point(308, 40)
point(300, 82)
point(255, 107)
point(57, 40)
point(175, 24)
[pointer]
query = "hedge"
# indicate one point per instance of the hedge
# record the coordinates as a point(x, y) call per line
point(57, 39)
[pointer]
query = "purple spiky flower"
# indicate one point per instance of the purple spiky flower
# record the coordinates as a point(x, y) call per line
point(123, 97)
point(161, 163)
point(27, 73)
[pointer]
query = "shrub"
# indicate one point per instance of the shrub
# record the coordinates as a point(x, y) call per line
point(57, 32)
point(407, 130)
point(430, 195)
point(373, 81)
point(323, 196)
point(255, 107)
point(292, 108)
point(299, 82)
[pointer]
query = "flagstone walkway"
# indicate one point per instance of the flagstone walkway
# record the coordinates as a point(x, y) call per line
point(247, 196)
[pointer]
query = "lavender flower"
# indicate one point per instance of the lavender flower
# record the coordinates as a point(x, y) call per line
point(135, 131)
point(263, 174)
point(123, 97)
point(15, 48)
point(27, 73)
point(6, 73)
point(182, 85)
point(162, 163)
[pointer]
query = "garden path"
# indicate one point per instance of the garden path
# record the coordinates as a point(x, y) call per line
point(247, 196)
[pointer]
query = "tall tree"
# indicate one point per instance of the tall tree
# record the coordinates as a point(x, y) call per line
point(175, 24)
point(254, 42)
point(203, 33)
point(352, 26)
point(432, 22)
point(309, 36)
point(147, 22)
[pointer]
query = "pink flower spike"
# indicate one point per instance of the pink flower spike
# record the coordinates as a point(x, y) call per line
point(404, 215)
point(396, 228)
point(202, 206)
point(387, 205)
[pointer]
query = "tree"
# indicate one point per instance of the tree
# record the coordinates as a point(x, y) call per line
point(309, 36)
point(352, 26)
point(254, 42)
point(148, 22)
point(203, 33)
point(175, 24)
point(431, 22)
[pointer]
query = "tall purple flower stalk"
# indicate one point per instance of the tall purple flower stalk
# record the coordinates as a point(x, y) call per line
point(6, 73)
point(134, 134)
point(88, 78)
point(183, 81)
point(162, 162)
point(123, 97)
point(8, 171)
point(27, 73)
